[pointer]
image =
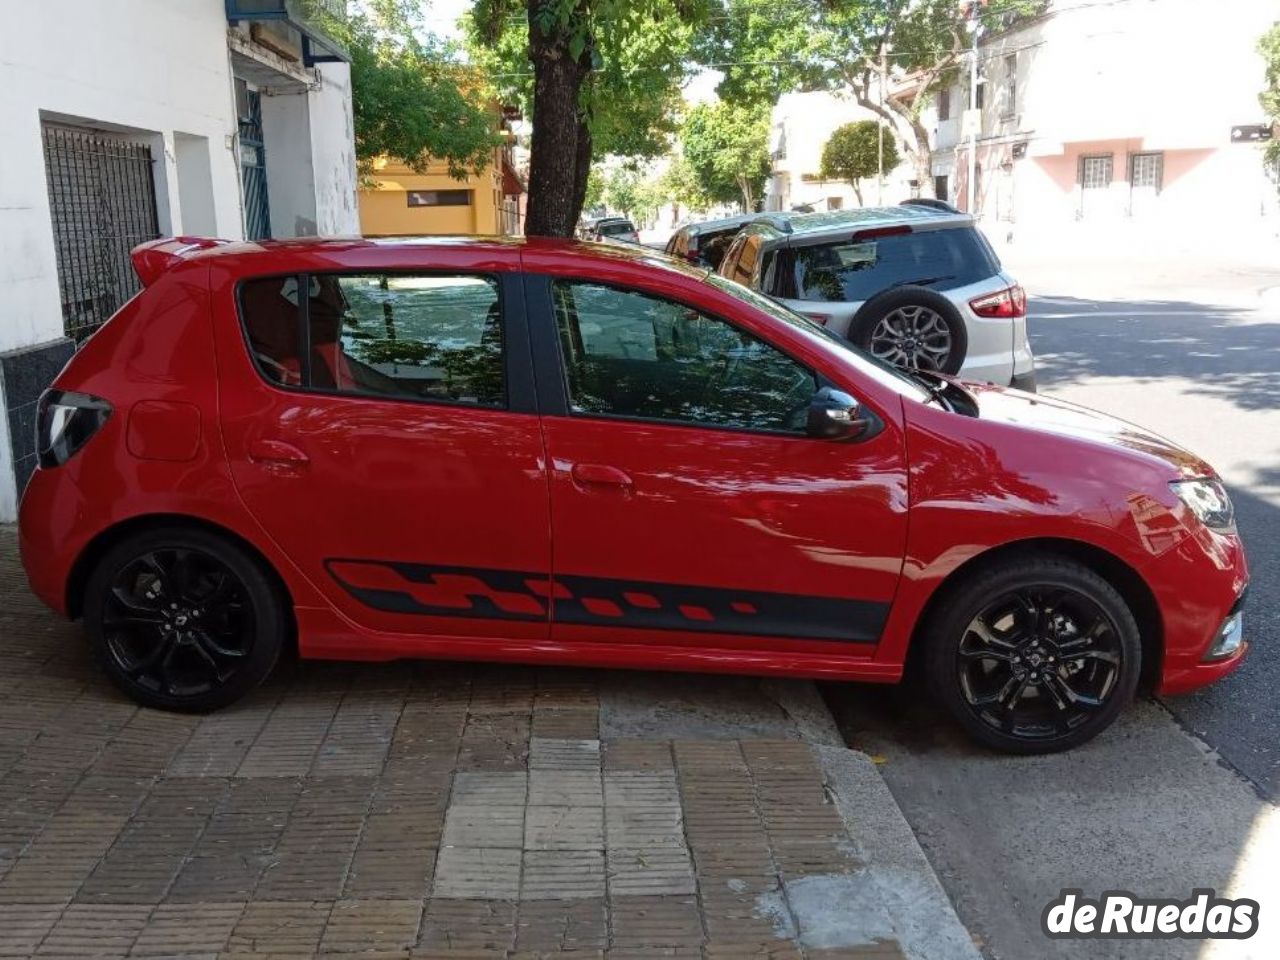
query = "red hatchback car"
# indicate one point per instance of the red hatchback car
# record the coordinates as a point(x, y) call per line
point(553, 452)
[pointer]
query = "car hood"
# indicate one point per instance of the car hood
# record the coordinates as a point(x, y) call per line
point(1001, 405)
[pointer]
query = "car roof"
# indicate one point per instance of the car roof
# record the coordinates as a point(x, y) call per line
point(339, 253)
point(803, 227)
point(711, 226)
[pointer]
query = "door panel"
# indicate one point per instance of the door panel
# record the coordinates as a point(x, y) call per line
point(396, 456)
point(690, 508)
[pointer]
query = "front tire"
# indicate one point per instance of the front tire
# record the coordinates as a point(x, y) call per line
point(1033, 656)
point(183, 619)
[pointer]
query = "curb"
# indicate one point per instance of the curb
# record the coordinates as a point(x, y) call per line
point(900, 887)
point(803, 706)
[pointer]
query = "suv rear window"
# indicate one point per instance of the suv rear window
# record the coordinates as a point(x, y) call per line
point(851, 271)
point(615, 227)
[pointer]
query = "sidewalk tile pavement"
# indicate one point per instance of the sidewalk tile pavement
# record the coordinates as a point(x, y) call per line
point(395, 810)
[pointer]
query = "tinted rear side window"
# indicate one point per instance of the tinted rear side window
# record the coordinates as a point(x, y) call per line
point(852, 271)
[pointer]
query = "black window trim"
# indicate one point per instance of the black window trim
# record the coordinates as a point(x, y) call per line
point(552, 370)
point(518, 375)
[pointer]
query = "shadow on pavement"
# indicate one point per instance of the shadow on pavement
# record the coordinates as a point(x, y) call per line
point(1215, 345)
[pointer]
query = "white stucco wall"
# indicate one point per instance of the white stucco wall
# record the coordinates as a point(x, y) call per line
point(159, 71)
point(333, 152)
point(154, 66)
point(806, 121)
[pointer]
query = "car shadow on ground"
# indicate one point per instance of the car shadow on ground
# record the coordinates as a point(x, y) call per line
point(1230, 354)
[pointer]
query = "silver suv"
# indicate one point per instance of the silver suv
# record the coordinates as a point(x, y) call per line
point(915, 286)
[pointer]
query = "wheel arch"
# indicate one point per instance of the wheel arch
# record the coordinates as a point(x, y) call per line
point(105, 540)
point(1124, 578)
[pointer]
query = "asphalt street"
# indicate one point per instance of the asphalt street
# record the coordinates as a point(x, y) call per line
point(1182, 792)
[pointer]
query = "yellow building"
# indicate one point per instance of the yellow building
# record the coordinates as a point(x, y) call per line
point(399, 202)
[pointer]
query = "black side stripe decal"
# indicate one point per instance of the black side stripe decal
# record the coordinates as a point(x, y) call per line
point(510, 595)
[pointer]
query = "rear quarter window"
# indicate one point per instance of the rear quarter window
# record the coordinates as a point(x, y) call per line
point(851, 270)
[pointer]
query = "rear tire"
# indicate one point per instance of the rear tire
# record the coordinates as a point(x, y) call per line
point(912, 327)
point(1036, 655)
point(183, 619)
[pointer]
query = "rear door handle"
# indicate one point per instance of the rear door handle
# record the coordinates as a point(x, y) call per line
point(600, 475)
point(277, 453)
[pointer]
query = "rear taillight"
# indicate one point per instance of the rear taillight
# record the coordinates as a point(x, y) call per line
point(65, 422)
point(1010, 302)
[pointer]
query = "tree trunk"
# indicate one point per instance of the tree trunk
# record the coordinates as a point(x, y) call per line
point(557, 185)
point(748, 201)
point(581, 169)
point(912, 133)
point(857, 190)
point(921, 157)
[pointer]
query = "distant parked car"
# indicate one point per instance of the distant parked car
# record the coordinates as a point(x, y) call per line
point(916, 287)
point(707, 242)
point(612, 228)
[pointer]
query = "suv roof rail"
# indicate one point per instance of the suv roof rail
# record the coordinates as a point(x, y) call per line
point(779, 222)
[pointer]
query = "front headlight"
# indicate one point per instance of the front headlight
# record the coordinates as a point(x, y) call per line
point(1208, 500)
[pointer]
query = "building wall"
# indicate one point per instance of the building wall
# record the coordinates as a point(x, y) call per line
point(385, 210)
point(1134, 76)
point(160, 72)
point(802, 125)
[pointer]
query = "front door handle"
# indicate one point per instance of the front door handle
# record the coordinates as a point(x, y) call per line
point(600, 475)
point(277, 453)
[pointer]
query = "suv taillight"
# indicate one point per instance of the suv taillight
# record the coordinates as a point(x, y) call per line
point(65, 422)
point(1010, 302)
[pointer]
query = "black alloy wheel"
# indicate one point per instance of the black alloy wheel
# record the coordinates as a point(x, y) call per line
point(1036, 656)
point(183, 620)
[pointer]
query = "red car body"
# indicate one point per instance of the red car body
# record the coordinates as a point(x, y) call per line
point(405, 529)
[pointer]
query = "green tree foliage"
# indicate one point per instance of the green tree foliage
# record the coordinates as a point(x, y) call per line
point(412, 100)
point(595, 190)
point(726, 145)
point(595, 76)
point(864, 46)
point(854, 153)
point(630, 191)
point(1269, 47)
point(680, 185)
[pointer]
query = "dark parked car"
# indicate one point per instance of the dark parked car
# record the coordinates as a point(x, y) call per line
point(619, 229)
point(705, 243)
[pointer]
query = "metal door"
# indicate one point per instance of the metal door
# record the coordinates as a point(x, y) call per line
point(253, 165)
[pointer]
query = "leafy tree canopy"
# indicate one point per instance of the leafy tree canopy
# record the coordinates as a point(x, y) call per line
point(726, 145)
point(411, 98)
point(854, 152)
point(1269, 47)
point(766, 49)
point(641, 54)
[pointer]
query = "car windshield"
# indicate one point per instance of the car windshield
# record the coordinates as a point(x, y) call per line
point(880, 371)
point(854, 270)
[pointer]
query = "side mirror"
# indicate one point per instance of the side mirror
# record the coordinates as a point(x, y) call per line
point(834, 415)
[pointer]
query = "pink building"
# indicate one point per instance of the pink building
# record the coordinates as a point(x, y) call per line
point(1110, 113)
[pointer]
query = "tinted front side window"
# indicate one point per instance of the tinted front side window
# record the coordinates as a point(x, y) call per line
point(423, 337)
point(631, 355)
point(852, 271)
